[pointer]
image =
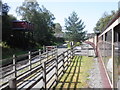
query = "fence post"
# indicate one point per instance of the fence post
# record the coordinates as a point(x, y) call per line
point(12, 82)
point(29, 57)
point(72, 49)
point(70, 53)
point(43, 48)
point(88, 53)
point(67, 57)
point(14, 65)
point(52, 51)
point(44, 75)
point(63, 62)
point(56, 65)
point(47, 54)
point(39, 54)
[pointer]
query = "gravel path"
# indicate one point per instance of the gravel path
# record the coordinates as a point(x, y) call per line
point(95, 78)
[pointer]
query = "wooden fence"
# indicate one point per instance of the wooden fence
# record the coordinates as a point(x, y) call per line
point(41, 70)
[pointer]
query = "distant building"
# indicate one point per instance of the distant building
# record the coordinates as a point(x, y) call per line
point(60, 34)
point(90, 35)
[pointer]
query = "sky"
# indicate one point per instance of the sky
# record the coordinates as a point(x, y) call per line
point(90, 11)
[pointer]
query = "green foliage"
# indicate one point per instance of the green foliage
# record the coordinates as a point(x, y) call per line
point(60, 40)
point(43, 33)
point(68, 45)
point(8, 52)
point(42, 20)
point(13, 38)
point(57, 28)
point(6, 28)
point(5, 8)
point(74, 28)
point(103, 21)
point(58, 32)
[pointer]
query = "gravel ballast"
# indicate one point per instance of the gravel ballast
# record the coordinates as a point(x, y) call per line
point(95, 78)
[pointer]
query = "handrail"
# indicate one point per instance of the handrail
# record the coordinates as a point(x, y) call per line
point(33, 66)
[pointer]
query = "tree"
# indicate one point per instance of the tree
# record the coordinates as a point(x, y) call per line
point(28, 10)
point(0, 7)
point(103, 21)
point(7, 25)
point(42, 20)
point(58, 33)
point(5, 9)
point(58, 30)
point(74, 28)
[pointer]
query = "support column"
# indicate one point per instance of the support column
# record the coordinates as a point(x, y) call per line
point(113, 58)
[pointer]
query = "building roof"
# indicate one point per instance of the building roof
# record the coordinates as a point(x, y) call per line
point(116, 16)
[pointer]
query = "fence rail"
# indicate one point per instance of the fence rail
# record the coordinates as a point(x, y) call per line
point(43, 69)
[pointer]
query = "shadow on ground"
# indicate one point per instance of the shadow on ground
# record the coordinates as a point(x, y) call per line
point(71, 77)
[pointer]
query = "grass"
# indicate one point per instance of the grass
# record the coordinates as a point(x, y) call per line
point(75, 43)
point(8, 52)
point(68, 45)
point(76, 76)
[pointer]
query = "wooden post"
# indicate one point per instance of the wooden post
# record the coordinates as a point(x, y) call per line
point(113, 59)
point(46, 54)
point(39, 55)
point(72, 49)
point(29, 56)
point(71, 53)
point(14, 65)
point(46, 48)
point(12, 84)
point(67, 57)
point(43, 48)
point(63, 62)
point(56, 65)
point(88, 53)
point(52, 51)
point(44, 75)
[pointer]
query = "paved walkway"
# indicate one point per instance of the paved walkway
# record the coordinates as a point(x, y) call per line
point(95, 80)
point(61, 50)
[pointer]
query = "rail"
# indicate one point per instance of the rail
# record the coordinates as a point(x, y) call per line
point(41, 70)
